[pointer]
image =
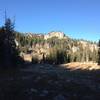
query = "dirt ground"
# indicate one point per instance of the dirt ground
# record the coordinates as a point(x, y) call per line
point(50, 82)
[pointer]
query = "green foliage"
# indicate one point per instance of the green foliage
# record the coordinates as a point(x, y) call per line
point(37, 40)
point(57, 56)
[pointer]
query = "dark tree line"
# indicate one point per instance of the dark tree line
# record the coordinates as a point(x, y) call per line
point(9, 53)
point(68, 50)
point(99, 52)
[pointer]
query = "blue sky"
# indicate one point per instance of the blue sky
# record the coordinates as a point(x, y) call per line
point(76, 18)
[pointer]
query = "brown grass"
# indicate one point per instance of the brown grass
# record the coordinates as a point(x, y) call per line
point(81, 66)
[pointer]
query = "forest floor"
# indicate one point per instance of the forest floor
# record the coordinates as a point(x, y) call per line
point(50, 82)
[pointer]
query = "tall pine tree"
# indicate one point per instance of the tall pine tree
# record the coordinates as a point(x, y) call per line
point(99, 53)
point(8, 50)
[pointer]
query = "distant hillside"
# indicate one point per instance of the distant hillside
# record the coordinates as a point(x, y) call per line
point(56, 47)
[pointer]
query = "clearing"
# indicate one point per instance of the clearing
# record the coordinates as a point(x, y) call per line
point(51, 82)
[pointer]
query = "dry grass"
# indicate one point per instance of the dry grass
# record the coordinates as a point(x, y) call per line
point(82, 66)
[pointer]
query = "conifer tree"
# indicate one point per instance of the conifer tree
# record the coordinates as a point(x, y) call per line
point(99, 53)
point(8, 49)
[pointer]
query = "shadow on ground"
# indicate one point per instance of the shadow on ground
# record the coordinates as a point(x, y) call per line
point(49, 82)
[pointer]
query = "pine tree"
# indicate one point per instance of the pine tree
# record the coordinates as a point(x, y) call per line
point(10, 52)
point(2, 37)
point(99, 53)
